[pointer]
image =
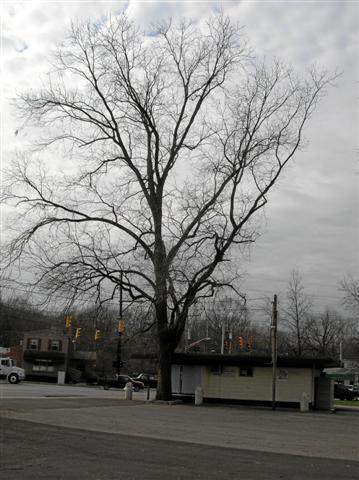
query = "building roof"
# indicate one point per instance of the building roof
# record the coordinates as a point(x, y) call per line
point(251, 360)
point(47, 332)
point(341, 372)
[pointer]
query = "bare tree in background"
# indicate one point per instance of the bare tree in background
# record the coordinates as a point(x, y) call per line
point(175, 139)
point(227, 317)
point(350, 287)
point(296, 313)
point(324, 332)
point(17, 316)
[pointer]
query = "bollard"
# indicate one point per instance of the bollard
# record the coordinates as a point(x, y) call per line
point(304, 403)
point(61, 377)
point(128, 391)
point(198, 396)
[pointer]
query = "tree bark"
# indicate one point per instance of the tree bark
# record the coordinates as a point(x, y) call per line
point(164, 387)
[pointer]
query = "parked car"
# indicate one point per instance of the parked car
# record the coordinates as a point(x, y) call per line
point(342, 392)
point(90, 377)
point(119, 381)
point(354, 388)
point(148, 379)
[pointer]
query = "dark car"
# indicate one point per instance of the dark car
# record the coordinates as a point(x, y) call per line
point(119, 381)
point(342, 392)
point(148, 379)
point(90, 377)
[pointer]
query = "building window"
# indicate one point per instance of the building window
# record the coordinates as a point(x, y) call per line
point(216, 370)
point(34, 344)
point(246, 372)
point(41, 365)
point(54, 345)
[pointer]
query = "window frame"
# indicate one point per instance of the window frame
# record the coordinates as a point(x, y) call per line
point(246, 372)
point(53, 343)
point(34, 344)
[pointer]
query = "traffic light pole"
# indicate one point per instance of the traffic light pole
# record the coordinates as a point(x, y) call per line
point(118, 362)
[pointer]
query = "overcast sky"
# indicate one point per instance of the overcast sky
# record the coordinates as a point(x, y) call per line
point(312, 217)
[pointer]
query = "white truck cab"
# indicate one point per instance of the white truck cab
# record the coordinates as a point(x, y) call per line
point(10, 371)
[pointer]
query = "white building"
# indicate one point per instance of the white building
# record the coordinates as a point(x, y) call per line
point(248, 379)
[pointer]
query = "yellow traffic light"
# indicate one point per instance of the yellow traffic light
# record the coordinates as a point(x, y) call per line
point(97, 334)
point(121, 326)
point(78, 332)
point(241, 341)
point(68, 321)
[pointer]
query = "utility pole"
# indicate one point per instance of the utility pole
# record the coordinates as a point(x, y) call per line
point(341, 352)
point(274, 349)
point(222, 338)
point(118, 361)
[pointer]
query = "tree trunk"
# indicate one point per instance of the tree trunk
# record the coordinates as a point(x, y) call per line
point(164, 387)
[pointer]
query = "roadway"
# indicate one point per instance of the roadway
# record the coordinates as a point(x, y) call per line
point(67, 432)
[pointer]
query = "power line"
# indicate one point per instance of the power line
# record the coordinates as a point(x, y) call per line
point(38, 290)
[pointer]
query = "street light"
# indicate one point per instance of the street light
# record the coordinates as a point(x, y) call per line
point(198, 342)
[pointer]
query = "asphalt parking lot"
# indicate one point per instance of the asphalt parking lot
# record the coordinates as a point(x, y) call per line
point(327, 435)
point(38, 390)
point(57, 432)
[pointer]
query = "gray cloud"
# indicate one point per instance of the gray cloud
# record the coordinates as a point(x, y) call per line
point(12, 43)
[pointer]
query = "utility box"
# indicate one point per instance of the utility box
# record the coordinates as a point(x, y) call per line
point(324, 393)
point(60, 377)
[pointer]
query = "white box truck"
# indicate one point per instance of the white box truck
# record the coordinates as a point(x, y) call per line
point(10, 371)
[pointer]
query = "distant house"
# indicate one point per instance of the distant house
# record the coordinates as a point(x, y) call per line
point(47, 352)
point(248, 379)
point(15, 352)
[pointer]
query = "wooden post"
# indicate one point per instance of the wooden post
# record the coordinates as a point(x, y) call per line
point(274, 350)
point(222, 339)
point(341, 353)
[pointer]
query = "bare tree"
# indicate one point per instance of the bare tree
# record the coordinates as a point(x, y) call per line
point(324, 332)
point(18, 315)
point(350, 287)
point(296, 312)
point(225, 319)
point(176, 138)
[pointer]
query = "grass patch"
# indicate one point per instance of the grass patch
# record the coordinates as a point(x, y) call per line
point(346, 403)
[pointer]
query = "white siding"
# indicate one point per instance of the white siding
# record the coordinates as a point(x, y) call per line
point(191, 378)
point(185, 378)
point(229, 385)
point(176, 372)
